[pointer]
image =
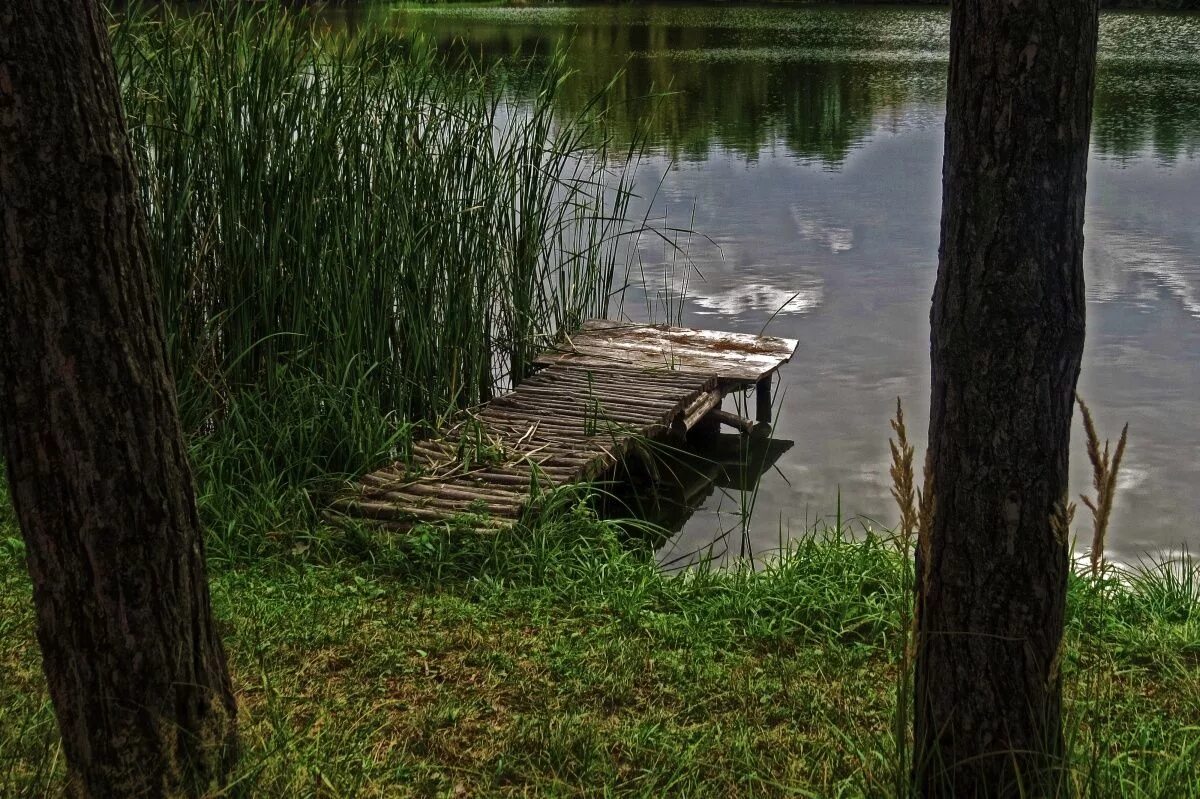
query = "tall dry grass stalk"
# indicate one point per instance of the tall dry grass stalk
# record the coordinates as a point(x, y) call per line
point(916, 522)
point(916, 519)
point(916, 505)
point(903, 490)
point(1106, 467)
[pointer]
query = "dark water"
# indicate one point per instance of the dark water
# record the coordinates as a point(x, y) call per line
point(804, 144)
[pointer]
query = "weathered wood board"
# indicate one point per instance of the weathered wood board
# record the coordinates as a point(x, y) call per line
point(569, 422)
point(731, 357)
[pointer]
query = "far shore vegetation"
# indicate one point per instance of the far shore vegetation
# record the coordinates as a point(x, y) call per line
point(557, 658)
point(815, 108)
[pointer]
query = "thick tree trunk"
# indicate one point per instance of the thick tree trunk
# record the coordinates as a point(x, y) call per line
point(1007, 339)
point(95, 456)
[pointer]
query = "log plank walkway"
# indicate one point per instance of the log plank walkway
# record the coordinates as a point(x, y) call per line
point(598, 391)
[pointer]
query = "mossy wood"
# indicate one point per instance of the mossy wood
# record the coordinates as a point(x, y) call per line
point(599, 391)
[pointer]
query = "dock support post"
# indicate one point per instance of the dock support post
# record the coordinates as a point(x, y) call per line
point(708, 427)
point(762, 393)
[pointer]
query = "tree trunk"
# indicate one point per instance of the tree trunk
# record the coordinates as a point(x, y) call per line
point(1007, 339)
point(95, 457)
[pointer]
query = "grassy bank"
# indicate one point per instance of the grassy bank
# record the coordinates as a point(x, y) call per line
point(559, 661)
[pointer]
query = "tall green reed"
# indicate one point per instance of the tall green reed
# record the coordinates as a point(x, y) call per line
point(362, 207)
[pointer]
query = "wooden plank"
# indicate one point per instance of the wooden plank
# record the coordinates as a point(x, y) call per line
point(728, 356)
point(630, 394)
point(389, 512)
point(601, 427)
point(746, 370)
point(699, 409)
point(450, 490)
point(522, 474)
point(579, 407)
point(708, 339)
point(616, 375)
point(659, 403)
point(590, 415)
point(402, 499)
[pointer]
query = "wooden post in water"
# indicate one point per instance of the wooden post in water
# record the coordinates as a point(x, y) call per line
point(762, 393)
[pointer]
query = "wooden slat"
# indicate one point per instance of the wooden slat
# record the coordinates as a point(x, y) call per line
point(645, 348)
point(714, 340)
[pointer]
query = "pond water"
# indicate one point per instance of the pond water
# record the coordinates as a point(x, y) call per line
point(804, 146)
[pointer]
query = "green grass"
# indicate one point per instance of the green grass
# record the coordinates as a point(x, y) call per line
point(559, 661)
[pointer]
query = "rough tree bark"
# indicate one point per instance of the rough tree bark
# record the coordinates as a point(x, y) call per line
point(1007, 339)
point(95, 457)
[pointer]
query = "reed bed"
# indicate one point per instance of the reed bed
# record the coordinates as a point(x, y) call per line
point(359, 209)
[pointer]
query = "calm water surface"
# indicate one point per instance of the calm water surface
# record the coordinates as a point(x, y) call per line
point(805, 145)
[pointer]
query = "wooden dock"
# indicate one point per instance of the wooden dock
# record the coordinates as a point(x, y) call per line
point(596, 393)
